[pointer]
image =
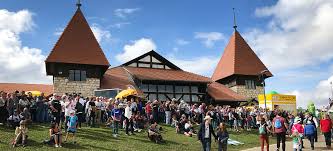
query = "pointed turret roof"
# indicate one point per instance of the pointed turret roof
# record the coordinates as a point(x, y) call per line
point(238, 59)
point(77, 44)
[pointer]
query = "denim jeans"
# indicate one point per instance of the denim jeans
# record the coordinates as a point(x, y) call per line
point(206, 144)
point(115, 127)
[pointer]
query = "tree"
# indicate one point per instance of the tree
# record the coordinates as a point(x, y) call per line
point(312, 108)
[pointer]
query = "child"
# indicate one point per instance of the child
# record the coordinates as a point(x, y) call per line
point(55, 135)
point(116, 114)
point(296, 141)
point(21, 134)
point(72, 125)
point(154, 134)
point(188, 129)
point(223, 137)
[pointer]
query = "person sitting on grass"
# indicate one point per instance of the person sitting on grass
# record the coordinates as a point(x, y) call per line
point(72, 125)
point(15, 119)
point(55, 135)
point(154, 134)
point(222, 137)
point(109, 122)
point(21, 134)
point(174, 121)
point(188, 129)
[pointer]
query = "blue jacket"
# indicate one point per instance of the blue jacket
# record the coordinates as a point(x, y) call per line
point(309, 129)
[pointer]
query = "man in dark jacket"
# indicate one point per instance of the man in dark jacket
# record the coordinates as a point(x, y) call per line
point(205, 131)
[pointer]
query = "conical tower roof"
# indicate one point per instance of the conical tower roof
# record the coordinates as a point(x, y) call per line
point(77, 44)
point(238, 59)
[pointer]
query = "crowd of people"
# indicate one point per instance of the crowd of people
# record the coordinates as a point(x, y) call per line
point(70, 111)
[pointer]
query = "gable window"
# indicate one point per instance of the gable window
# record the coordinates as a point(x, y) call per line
point(250, 84)
point(77, 75)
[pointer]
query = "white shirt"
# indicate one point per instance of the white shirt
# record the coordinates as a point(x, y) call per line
point(82, 101)
point(128, 112)
point(206, 131)
point(98, 105)
point(70, 107)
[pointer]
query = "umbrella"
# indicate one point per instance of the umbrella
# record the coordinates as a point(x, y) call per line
point(34, 93)
point(126, 93)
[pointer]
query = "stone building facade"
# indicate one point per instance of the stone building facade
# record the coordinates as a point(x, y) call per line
point(248, 93)
point(62, 85)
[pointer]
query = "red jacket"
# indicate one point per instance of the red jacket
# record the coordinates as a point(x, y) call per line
point(298, 127)
point(325, 125)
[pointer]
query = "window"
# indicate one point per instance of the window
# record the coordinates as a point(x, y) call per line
point(186, 98)
point(178, 96)
point(186, 89)
point(169, 88)
point(161, 97)
point(194, 89)
point(161, 88)
point(144, 65)
point(250, 84)
point(144, 87)
point(133, 64)
point(152, 97)
point(178, 89)
point(195, 98)
point(155, 60)
point(77, 75)
point(145, 59)
point(152, 88)
point(158, 66)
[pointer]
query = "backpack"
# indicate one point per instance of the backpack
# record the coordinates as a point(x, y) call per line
point(278, 123)
point(262, 130)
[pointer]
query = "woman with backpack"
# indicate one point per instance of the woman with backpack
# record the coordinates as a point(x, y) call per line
point(279, 128)
point(263, 134)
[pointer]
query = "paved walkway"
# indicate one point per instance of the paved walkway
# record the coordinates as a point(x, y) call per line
point(320, 145)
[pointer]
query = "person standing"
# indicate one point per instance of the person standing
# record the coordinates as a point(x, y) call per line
point(223, 137)
point(325, 127)
point(56, 108)
point(167, 113)
point(309, 132)
point(128, 117)
point(116, 116)
point(98, 110)
point(3, 111)
point(279, 128)
point(205, 133)
point(263, 134)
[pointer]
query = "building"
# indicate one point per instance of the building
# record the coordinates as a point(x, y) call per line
point(239, 68)
point(78, 65)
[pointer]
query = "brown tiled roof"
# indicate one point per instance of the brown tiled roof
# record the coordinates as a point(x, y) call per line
point(220, 92)
point(166, 75)
point(238, 58)
point(77, 44)
point(12, 87)
point(116, 78)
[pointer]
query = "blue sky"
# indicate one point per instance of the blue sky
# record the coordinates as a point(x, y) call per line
point(186, 30)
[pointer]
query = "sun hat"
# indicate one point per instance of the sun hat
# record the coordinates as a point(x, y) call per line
point(207, 118)
point(72, 112)
point(297, 119)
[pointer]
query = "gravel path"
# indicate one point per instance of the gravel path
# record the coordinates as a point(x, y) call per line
point(320, 145)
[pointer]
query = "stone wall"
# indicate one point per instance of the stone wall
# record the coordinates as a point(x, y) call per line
point(248, 93)
point(62, 85)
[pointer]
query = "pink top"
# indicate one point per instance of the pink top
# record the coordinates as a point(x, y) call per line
point(298, 127)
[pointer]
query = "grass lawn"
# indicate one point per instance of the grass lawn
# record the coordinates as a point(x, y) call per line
point(101, 139)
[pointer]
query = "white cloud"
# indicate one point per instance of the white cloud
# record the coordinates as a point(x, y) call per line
point(135, 49)
point(204, 65)
point(19, 64)
point(209, 38)
point(319, 95)
point(298, 33)
point(119, 25)
point(182, 42)
point(101, 34)
point(124, 12)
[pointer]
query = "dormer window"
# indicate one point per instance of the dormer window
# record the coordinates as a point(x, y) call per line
point(77, 75)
